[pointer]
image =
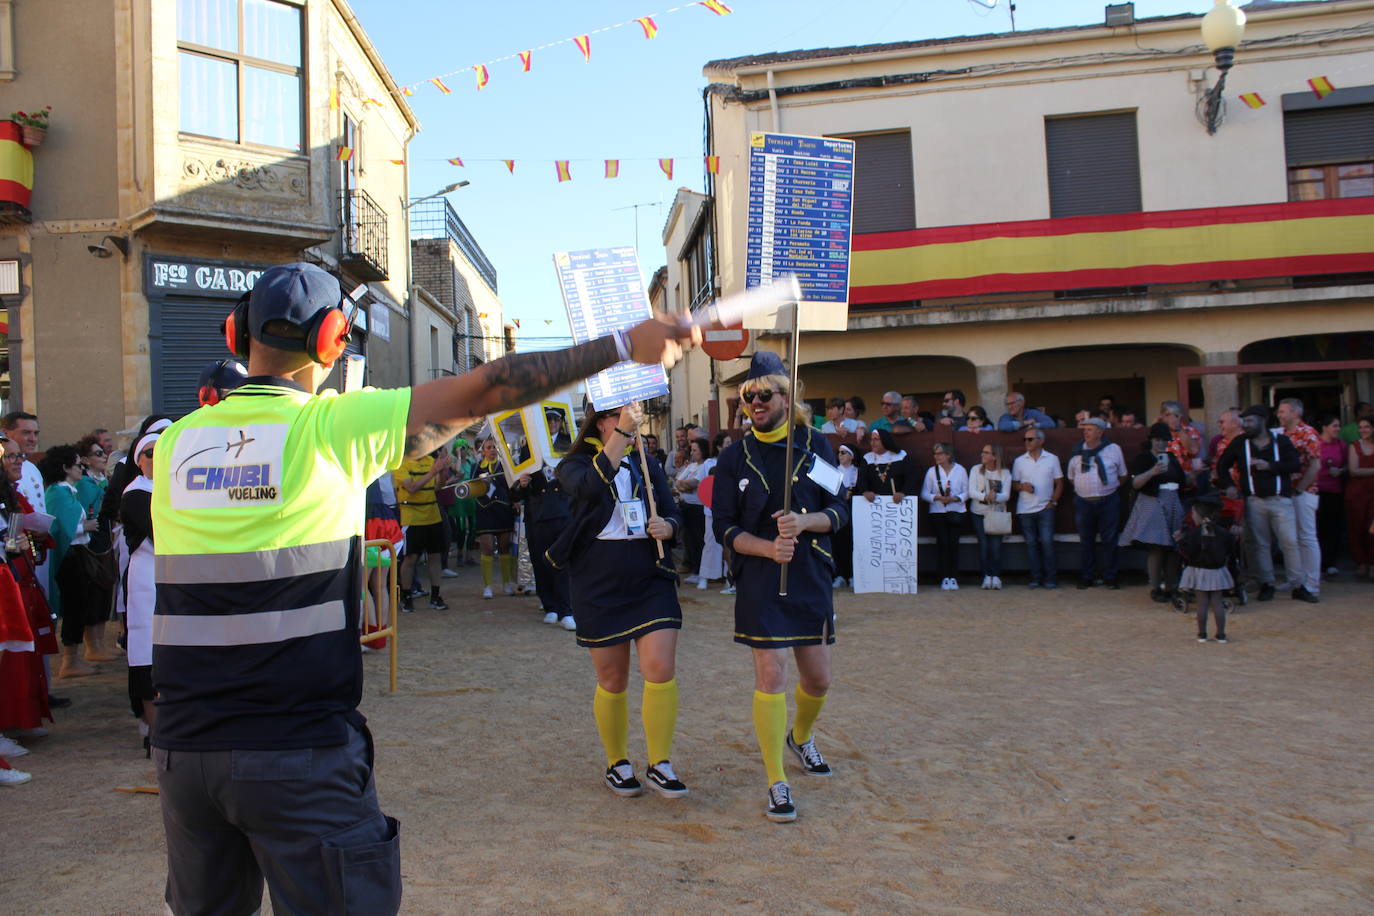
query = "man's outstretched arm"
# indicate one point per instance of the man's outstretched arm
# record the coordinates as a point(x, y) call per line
point(439, 409)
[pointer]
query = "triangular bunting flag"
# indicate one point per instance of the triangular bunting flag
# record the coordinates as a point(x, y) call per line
point(397, 161)
point(344, 154)
point(439, 84)
point(563, 169)
point(333, 100)
point(584, 44)
point(713, 164)
point(612, 168)
point(648, 25)
point(372, 101)
point(667, 166)
point(715, 6)
point(1321, 86)
point(516, 322)
point(455, 161)
point(407, 91)
point(482, 78)
point(525, 61)
point(510, 165)
point(1252, 99)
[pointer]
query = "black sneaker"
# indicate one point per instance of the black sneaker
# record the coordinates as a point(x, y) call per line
point(1266, 592)
point(1202, 637)
point(1221, 637)
point(407, 605)
point(1111, 584)
point(436, 603)
point(620, 779)
point(1084, 583)
point(1302, 594)
point(1159, 595)
point(664, 781)
point(811, 759)
point(780, 807)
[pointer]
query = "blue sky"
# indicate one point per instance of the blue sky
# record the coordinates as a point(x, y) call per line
point(635, 100)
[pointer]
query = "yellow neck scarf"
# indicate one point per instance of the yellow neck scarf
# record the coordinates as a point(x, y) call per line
point(777, 434)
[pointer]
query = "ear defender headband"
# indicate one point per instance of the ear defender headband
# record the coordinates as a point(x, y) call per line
point(326, 335)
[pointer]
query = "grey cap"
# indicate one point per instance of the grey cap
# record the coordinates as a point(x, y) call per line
point(1096, 421)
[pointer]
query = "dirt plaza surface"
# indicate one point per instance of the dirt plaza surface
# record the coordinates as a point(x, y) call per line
point(995, 752)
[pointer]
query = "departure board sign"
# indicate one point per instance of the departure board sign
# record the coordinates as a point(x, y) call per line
point(603, 291)
point(801, 204)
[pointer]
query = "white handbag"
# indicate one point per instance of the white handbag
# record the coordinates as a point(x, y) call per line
point(998, 521)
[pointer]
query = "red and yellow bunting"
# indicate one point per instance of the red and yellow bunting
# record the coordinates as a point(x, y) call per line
point(563, 169)
point(439, 84)
point(1321, 86)
point(715, 6)
point(648, 25)
point(667, 166)
point(612, 168)
point(1253, 99)
point(584, 44)
point(455, 161)
point(713, 165)
point(397, 161)
point(510, 165)
point(344, 154)
point(334, 99)
point(482, 77)
point(525, 61)
point(406, 90)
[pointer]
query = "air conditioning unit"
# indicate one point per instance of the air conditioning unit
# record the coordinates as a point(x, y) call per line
point(1120, 14)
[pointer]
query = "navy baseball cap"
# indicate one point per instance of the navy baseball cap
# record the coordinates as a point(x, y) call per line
point(290, 292)
point(765, 363)
point(224, 374)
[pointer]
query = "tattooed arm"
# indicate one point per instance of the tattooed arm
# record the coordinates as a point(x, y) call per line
point(439, 409)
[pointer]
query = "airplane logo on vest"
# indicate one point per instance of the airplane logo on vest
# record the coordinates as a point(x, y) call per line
point(251, 482)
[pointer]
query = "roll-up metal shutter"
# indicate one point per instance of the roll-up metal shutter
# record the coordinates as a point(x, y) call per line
point(183, 337)
point(1328, 136)
point(884, 200)
point(1094, 164)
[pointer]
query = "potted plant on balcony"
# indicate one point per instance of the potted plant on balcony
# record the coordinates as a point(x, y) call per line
point(33, 127)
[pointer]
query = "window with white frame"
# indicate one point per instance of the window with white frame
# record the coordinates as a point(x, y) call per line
point(242, 77)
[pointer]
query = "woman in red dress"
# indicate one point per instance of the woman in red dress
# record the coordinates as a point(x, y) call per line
point(26, 630)
point(1359, 499)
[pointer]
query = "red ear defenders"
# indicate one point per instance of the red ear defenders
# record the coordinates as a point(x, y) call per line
point(326, 335)
point(208, 395)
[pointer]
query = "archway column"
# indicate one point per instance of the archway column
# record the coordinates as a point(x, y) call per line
point(992, 388)
point(1221, 391)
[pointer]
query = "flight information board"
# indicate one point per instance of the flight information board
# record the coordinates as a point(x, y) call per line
point(603, 291)
point(801, 204)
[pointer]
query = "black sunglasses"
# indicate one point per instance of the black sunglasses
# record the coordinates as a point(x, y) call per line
point(1031, 438)
point(763, 396)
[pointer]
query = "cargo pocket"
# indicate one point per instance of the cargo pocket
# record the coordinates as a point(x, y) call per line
point(363, 870)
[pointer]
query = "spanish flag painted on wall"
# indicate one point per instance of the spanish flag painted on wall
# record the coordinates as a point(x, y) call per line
point(16, 166)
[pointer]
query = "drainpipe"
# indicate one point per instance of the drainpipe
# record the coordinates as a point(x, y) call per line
point(773, 104)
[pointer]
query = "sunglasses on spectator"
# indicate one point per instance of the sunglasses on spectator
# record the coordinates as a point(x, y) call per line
point(763, 397)
point(1031, 438)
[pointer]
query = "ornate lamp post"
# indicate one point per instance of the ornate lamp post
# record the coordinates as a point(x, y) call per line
point(1222, 29)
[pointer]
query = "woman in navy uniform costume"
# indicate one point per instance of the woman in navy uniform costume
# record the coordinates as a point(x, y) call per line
point(495, 519)
point(622, 592)
point(747, 505)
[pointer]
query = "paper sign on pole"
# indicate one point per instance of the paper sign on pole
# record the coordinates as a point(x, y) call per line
point(603, 291)
point(537, 436)
point(884, 545)
point(801, 203)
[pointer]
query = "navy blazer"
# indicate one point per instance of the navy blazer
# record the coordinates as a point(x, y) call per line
point(588, 483)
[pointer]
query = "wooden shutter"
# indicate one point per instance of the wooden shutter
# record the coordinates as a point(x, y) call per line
point(884, 200)
point(1094, 164)
point(1326, 136)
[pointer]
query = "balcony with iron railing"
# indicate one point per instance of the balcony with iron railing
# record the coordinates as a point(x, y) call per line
point(362, 235)
point(436, 219)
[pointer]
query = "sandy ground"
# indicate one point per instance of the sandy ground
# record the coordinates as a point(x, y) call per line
point(996, 752)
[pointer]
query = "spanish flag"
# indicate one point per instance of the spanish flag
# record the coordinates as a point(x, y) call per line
point(1252, 99)
point(612, 168)
point(455, 161)
point(667, 166)
point(713, 164)
point(584, 44)
point(648, 25)
point(16, 166)
point(715, 6)
point(525, 61)
point(344, 154)
point(563, 169)
point(510, 165)
point(1321, 86)
point(439, 84)
point(482, 77)
point(333, 100)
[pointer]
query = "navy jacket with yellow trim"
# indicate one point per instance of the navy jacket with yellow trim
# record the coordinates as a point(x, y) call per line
point(588, 483)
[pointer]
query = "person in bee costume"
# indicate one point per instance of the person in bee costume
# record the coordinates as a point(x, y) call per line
point(623, 590)
point(749, 521)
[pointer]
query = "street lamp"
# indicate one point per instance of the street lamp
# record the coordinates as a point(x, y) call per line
point(1222, 29)
point(451, 188)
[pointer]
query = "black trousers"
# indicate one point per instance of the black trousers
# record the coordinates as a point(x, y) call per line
point(948, 526)
point(551, 585)
point(1330, 525)
point(693, 536)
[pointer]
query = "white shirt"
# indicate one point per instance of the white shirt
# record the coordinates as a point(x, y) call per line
point(940, 483)
point(1089, 482)
point(616, 529)
point(694, 471)
point(979, 481)
point(1041, 474)
point(31, 486)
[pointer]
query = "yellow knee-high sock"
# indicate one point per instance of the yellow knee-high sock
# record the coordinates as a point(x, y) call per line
point(770, 724)
point(659, 710)
point(486, 570)
point(508, 569)
point(808, 708)
point(612, 712)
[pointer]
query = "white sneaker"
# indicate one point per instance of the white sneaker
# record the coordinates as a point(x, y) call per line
point(728, 590)
point(551, 617)
point(702, 584)
point(944, 585)
point(486, 592)
point(449, 574)
point(569, 623)
point(996, 582)
point(954, 585)
point(14, 777)
point(510, 589)
point(689, 580)
point(11, 748)
point(837, 582)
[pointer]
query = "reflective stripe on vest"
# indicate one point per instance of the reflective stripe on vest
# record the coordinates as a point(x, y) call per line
point(247, 629)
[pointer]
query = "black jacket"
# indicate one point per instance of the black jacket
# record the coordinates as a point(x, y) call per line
point(588, 483)
point(1276, 480)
